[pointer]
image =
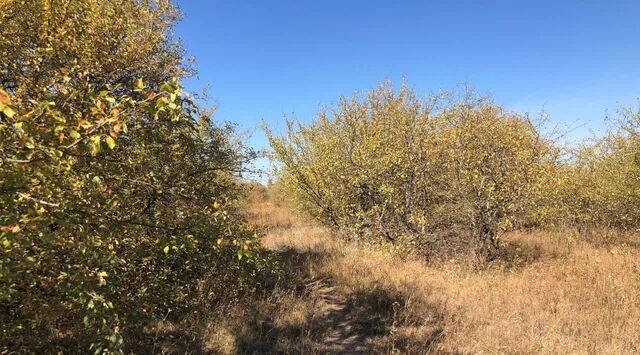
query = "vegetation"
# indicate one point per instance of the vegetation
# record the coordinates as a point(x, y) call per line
point(612, 167)
point(391, 166)
point(447, 224)
point(549, 292)
point(117, 194)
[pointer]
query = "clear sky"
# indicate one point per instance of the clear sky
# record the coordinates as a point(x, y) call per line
point(267, 59)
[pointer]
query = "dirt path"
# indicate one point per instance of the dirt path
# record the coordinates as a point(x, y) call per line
point(338, 326)
point(343, 336)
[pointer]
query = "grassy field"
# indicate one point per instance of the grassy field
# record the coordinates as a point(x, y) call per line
point(554, 292)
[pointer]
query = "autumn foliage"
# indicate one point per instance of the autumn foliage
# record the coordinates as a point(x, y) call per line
point(117, 193)
point(121, 204)
point(388, 166)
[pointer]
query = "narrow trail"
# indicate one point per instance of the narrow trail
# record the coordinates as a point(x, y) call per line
point(343, 336)
point(338, 327)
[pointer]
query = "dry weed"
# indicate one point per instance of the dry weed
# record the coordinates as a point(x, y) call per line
point(553, 292)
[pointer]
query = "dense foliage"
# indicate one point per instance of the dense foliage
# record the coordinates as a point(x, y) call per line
point(119, 196)
point(611, 167)
point(117, 193)
point(599, 186)
point(390, 164)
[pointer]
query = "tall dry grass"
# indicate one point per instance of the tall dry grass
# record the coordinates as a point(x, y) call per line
point(269, 212)
point(553, 292)
point(572, 298)
point(265, 214)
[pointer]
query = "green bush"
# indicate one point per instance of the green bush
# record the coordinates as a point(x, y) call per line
point(388, 165)
point(612, 167)
point(117, 195)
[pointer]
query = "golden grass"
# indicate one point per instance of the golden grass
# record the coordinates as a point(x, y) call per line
point(586, 302)
point(304, 238)
point(265, 214)
point(558, 293)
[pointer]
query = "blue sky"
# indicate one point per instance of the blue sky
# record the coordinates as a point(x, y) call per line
point(263, 60)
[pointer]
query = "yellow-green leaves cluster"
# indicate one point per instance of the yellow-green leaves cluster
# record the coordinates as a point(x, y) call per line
point(600, 185)
point(611, 173)
point(109, 218)
point(109, 178)
point(389, 164)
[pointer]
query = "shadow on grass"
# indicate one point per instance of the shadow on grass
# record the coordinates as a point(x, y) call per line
point(168, 342)
point(371, 319)
point(382, 316)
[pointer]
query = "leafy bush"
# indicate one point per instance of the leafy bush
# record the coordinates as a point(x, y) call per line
point(117, 195)
point(612, 169)
point(598, 186)
point(389, 165)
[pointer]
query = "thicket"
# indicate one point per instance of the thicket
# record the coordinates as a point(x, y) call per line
point(118, 194)
point(389, 166)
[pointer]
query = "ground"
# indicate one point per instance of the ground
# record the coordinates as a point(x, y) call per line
point(554, 292)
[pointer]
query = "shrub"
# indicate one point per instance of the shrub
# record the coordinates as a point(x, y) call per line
point(117, 195)
point(390, 164)
point(612, 167)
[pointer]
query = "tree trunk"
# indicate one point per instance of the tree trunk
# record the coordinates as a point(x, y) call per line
point(487, 242)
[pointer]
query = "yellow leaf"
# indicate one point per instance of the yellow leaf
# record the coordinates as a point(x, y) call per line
point(139, 84)
point(110, 142)
point(8, 111)
point(74, 134)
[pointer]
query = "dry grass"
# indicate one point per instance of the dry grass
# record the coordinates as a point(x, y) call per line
point(268, 215)
point(554, 292)
point(278, 323)
point(304, 238)
point(586, 302)
point(264, 213)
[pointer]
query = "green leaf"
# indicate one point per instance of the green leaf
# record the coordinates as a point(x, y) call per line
point(110, 142)
point(101, 278)
point(162, 102)
point(168, 87)
point(29, 143)
point(166, 249)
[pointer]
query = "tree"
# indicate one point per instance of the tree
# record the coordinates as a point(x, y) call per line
point(611, 166)
point(117, 194)
point(391, 165)
point(498, 162)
